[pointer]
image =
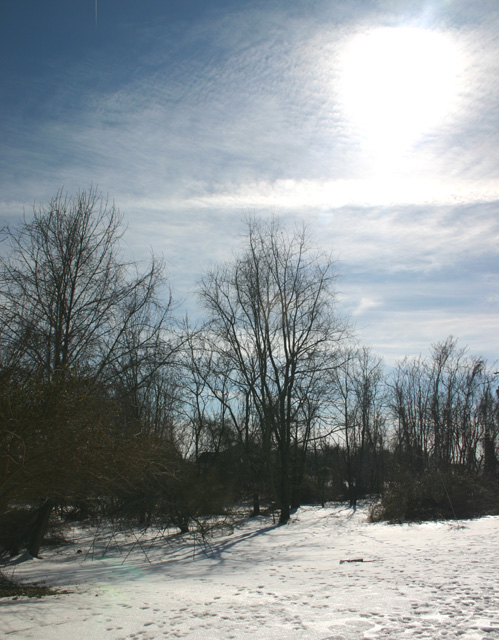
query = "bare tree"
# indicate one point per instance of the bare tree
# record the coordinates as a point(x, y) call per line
point(76, 319)
point(216, 397)
point(67, 296)
point(274, 322)
point(359, 392)
point(444, 409)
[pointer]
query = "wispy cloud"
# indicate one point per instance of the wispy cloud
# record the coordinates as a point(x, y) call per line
point(192, 123)
point(365, 304)
point(313, 194)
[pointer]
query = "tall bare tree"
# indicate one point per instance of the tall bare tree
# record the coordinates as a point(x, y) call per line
point(274, 322)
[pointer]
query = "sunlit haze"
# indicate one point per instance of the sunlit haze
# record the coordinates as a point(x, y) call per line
point(399, 84)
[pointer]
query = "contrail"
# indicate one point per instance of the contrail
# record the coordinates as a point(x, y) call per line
point(96, 13)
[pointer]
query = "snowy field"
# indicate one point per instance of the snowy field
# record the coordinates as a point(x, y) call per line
point(434, 580)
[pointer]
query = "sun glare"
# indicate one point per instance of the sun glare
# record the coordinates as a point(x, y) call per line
point(398, 84)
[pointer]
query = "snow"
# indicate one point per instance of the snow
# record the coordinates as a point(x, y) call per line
point(431, 580)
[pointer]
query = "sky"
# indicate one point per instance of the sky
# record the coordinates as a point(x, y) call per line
point(375, 123)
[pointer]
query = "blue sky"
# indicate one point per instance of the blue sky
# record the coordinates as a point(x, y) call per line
point(375, 122)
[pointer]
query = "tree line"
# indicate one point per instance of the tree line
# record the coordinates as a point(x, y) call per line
point(111, 406)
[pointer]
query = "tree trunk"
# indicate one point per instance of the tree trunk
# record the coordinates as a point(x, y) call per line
point(295, 495)
point(297, 468)
point(256, 505)
point(284, 491)
point(489, 450)
point(352, 493)
point(285, 513)
point(40, 527)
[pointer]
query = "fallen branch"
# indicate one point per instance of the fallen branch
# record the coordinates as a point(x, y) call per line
point(355, 560)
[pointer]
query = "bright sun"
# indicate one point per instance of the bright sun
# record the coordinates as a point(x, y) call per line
point(398, 84)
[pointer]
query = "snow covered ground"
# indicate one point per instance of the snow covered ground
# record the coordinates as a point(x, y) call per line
point(434, 580)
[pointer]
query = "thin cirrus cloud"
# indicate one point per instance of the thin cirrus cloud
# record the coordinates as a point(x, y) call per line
point(192, 122)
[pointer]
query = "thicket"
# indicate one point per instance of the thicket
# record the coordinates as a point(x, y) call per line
point(438, 496)
point(445, 408)
point(111, 408)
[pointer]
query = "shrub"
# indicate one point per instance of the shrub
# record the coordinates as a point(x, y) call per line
point(437, 496)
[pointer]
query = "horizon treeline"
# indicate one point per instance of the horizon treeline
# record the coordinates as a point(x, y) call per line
point(111, 406)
